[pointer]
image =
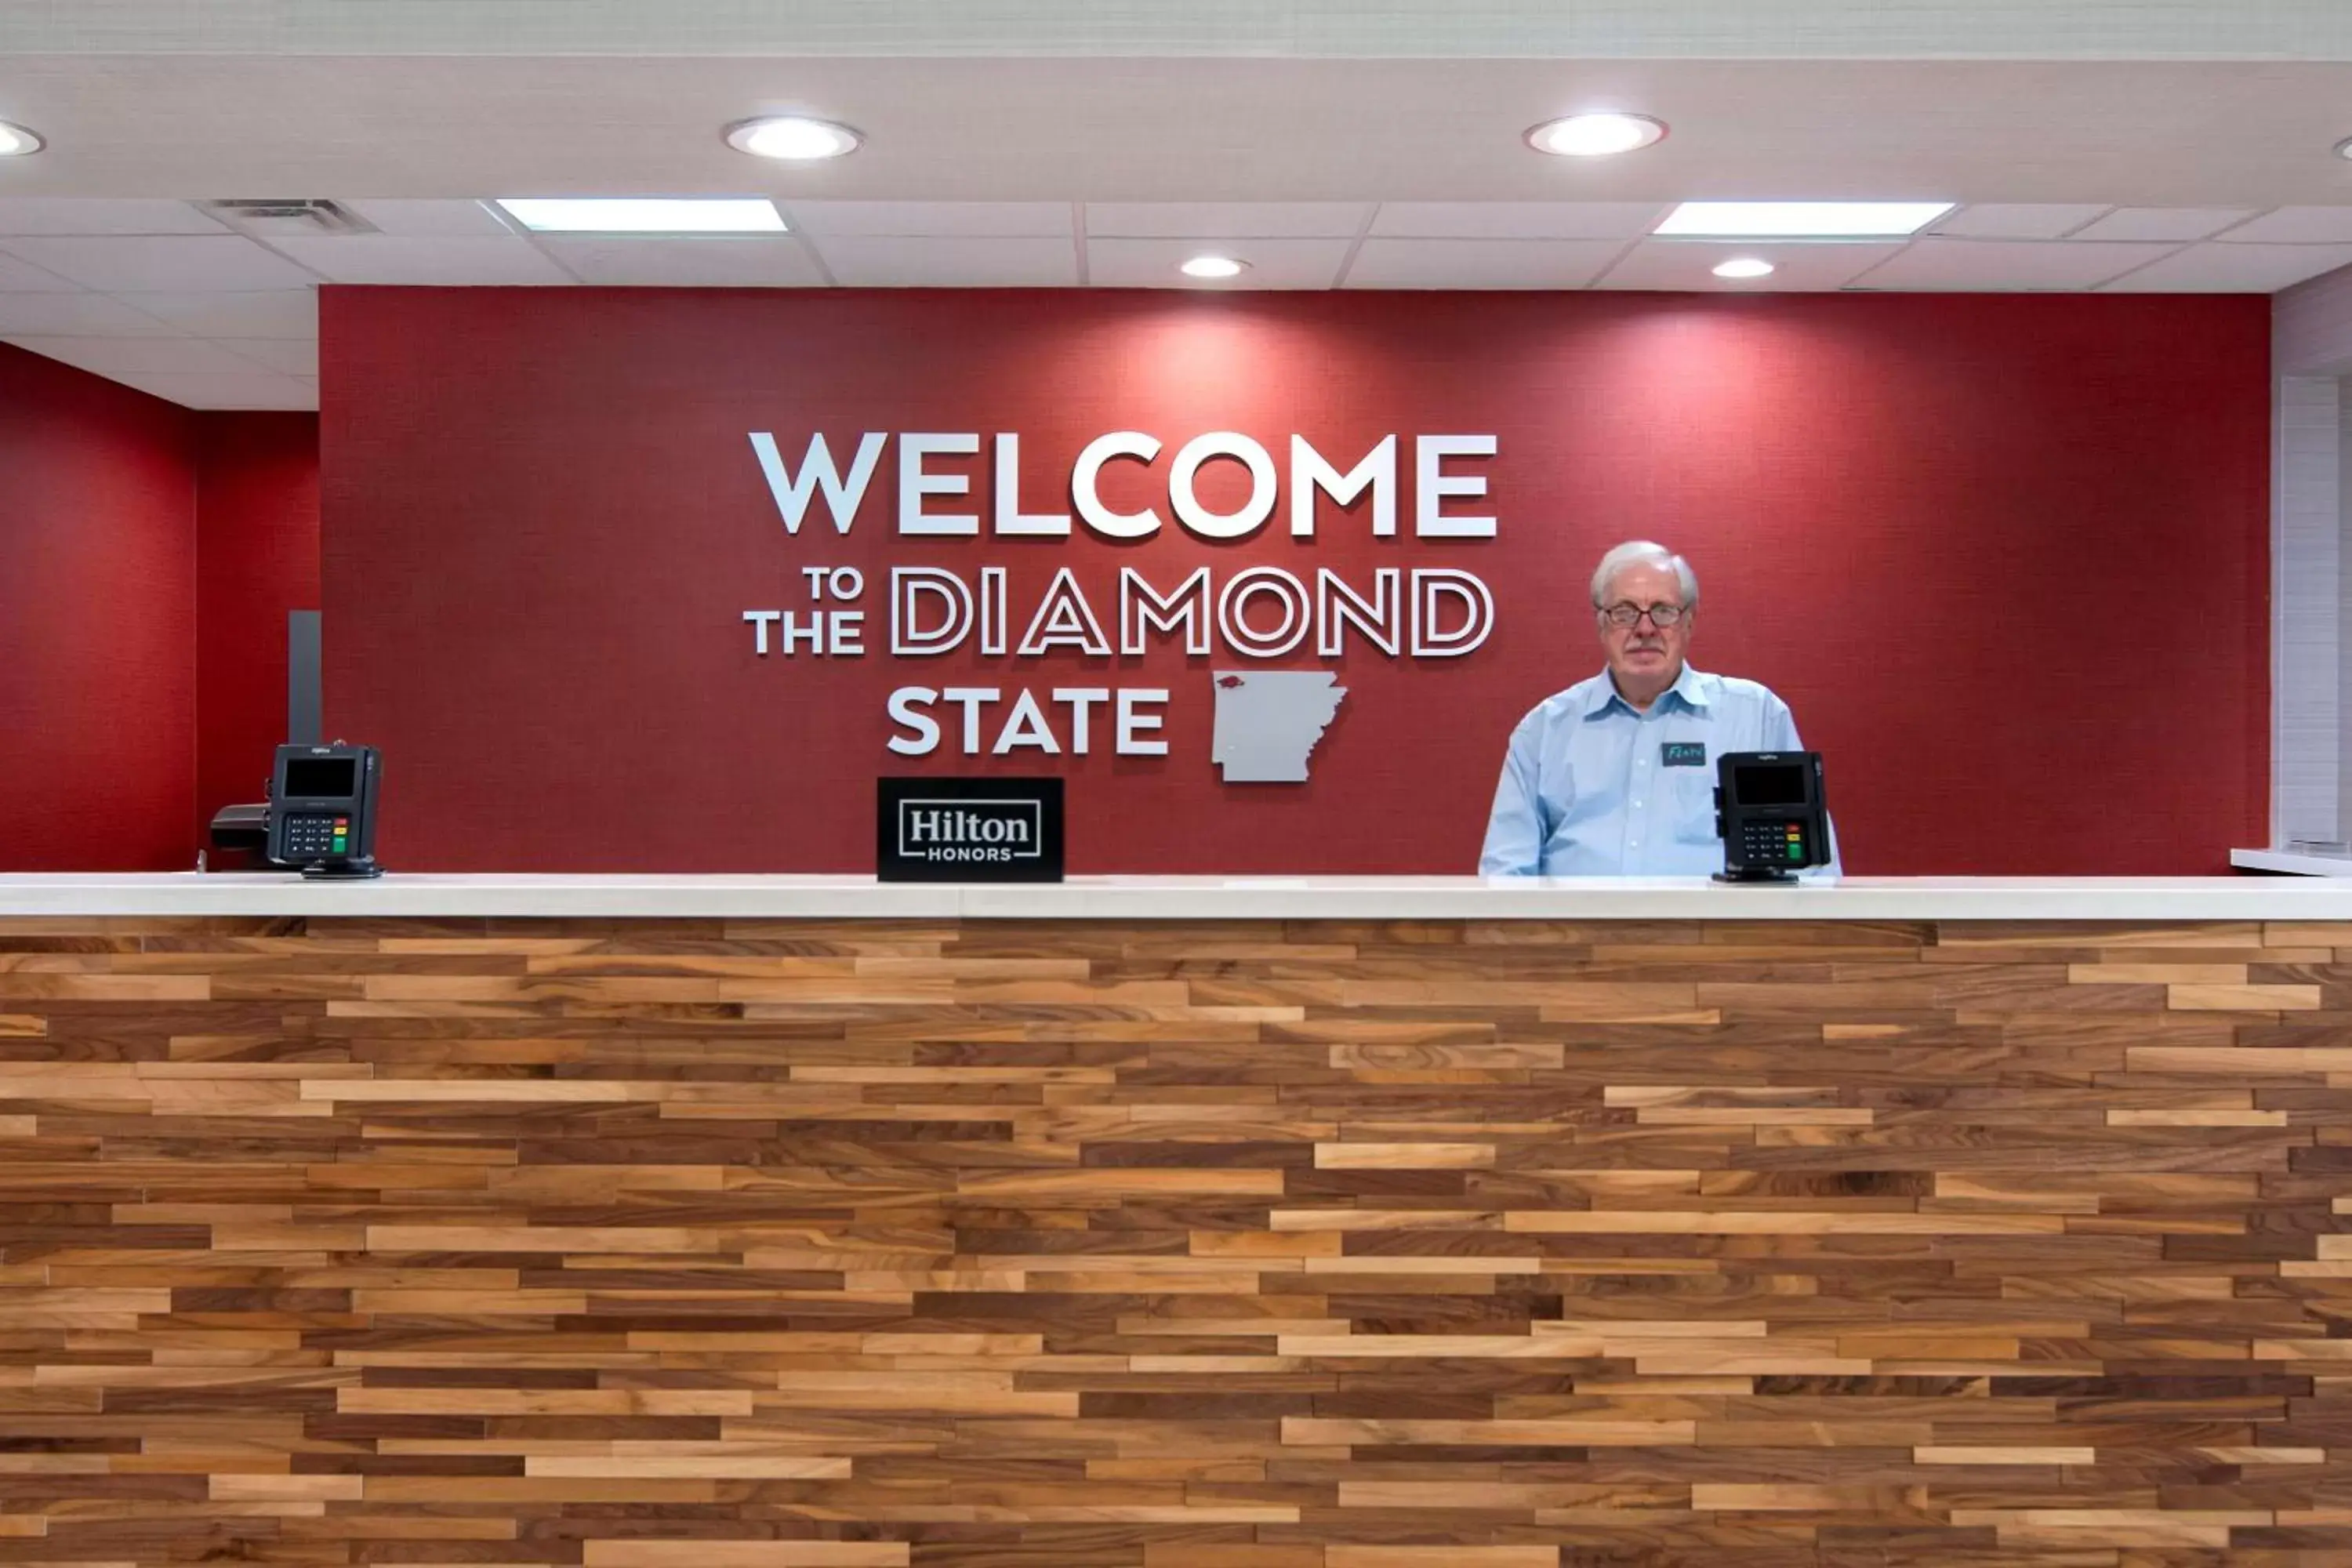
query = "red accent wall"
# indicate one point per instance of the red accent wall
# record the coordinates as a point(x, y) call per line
point(2005, 557)
point(97, 622)
point(257, 559)
point(148, 556)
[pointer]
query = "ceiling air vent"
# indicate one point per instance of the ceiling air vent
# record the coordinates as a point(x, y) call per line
point(288, 218)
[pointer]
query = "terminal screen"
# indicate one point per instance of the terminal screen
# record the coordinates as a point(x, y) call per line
point(1775, 786)
point(321, 778)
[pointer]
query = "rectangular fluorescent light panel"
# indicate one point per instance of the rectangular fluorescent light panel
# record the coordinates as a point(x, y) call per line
point(646, 215)
point(1802, 220)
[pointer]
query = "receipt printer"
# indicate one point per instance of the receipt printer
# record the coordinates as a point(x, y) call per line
point(1771, 813)
point(322, 809)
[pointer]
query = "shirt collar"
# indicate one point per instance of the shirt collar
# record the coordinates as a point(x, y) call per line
point(1691, 687)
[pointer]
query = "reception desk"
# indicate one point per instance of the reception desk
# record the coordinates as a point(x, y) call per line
point(1176, 1222)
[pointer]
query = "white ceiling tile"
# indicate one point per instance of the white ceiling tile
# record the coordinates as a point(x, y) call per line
point(1227, 220)
point(2234, 270)
point(1272, 263)
point(77, 314)
point(871, 261)
point(118, 265)
point(126, 356)
point(746, 261)
point(446, 263)
point(288, 356)
point(101, 214)
point(2163, 223)
point(1518, 220)
point(1004, 220)
point(430, 220)
point(234, 313)
point(16, 274)
point(1687, 264)
point(1993, 265)
point(2295, 226)
point(2019, 220)
point(247, 388)
point(1481, 263)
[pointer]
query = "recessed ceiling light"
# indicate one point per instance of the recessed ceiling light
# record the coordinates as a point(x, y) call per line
point(15, 142)
point(1213, 267)
point(2343, 148)
point(646, 215)
point(1802, 220)
point(1595, 135)
point(793, 136)
point(1744, 267)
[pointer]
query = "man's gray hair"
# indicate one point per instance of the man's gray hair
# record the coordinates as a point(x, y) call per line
point(1644, 552)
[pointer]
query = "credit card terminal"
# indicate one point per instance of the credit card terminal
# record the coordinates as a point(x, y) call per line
point(1771, 813)
point(322, 809)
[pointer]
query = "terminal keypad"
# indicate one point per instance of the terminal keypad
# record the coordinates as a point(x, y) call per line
point(317, 834)
point(1767, 842)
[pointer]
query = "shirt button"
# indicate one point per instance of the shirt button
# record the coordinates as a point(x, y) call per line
point(1637, 806)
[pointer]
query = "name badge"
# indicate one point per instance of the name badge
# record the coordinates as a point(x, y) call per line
point(1683, 753)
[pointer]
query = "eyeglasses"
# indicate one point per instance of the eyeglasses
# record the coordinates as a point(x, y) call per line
point(1626, 615)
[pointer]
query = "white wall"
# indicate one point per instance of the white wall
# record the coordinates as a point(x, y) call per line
point(2311, 566)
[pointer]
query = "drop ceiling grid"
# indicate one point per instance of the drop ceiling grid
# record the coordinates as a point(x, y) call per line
point(160, 295)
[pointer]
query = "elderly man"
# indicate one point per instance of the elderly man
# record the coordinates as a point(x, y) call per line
point(1615, 776)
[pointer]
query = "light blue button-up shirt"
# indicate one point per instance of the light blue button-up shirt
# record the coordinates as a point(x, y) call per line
point(1594, 787)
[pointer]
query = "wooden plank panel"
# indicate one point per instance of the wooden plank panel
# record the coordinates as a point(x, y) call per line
point(710, 1244)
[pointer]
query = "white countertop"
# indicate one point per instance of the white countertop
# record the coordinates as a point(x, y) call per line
point(2294, 862)
point(1189, 898)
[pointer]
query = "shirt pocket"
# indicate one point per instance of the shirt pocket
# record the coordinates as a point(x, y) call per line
point(1691, 797)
